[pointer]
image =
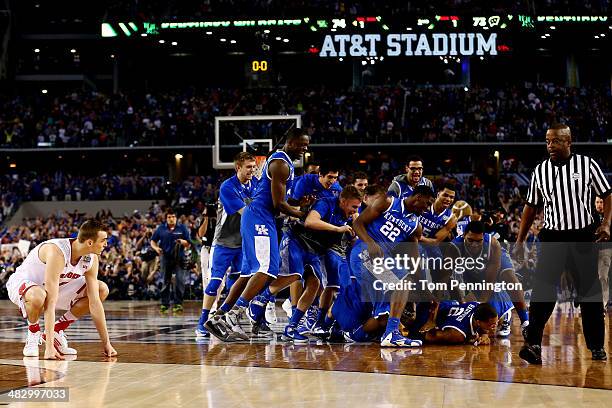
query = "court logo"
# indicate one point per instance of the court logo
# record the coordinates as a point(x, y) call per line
point(261, 229)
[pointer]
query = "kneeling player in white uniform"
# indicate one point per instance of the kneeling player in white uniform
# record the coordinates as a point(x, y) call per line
point(62, 274)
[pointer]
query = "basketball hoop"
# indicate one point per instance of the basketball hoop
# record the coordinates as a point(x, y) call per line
point(260, 161)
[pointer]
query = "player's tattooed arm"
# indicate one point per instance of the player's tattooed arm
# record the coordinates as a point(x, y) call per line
point(279, 173)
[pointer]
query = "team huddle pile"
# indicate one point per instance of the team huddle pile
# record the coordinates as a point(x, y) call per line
point(322, 241)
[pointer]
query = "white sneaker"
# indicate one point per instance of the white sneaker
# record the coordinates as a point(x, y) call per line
point(32, 342)
point(287, 308)
point(61, 344)
point(271, 313)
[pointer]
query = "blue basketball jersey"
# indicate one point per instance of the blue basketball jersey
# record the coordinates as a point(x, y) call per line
point(330, 211)
point(394, 226)
point(433, 222)
point(460, 318)
point(400, 188)
point(308, 184)
point(262, 199)
point(485, 252)
point(461, 224)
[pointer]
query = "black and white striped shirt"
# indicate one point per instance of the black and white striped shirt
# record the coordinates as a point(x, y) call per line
point(565, 190)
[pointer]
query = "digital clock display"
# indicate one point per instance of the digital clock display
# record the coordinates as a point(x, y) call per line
point(259, 66)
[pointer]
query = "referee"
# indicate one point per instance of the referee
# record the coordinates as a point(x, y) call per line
point(563, 186)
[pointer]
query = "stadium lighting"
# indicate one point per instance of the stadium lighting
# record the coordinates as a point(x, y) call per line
point(286, 40)
point(72, 50)
point(174, 43)
point(44, 91)
point(597, 37)
point(266, 31)
point(112, 56)
point(553, 27)
point(13, 165)
point(233, 41)
point(364, 62)
point(340, 59)
point(209, 33)
point(466, 89)
point(408, 28)
point(37, 50)
point(278, 38)
point(602, 35)
point(178, 156)
point(143, 34)
point(482, 58)
point(161, 41)
point(223, 40)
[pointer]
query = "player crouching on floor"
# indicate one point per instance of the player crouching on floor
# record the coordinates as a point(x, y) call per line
point(62, 274)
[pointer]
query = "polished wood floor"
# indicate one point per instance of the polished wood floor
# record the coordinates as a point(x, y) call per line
point(159, 353)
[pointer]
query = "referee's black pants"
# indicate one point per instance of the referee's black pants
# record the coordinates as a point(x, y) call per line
point(575, 252)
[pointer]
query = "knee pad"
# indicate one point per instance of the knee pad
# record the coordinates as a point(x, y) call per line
point(213, 287)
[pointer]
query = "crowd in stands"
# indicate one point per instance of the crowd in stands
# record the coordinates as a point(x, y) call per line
point(399, 113)
point(391, 8)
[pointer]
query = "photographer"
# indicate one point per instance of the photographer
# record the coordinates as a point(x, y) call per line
point(148, 256)
point(163, 241)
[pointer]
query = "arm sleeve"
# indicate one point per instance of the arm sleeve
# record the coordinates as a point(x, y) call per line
point(394, 190)
point(534, 198)
point(230, 199)
point(299, 190)
point(323, 208)
point(156, 235)
point(600, 181)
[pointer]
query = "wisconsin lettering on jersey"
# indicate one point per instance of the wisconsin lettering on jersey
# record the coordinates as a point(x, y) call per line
point(71, 275)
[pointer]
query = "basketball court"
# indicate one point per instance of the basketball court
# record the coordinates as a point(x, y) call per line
point(161, 364)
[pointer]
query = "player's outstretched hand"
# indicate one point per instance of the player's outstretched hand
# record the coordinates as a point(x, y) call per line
point(52, 354)
point(109, 350)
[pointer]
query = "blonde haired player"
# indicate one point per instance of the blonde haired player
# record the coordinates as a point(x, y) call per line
point(62, 274)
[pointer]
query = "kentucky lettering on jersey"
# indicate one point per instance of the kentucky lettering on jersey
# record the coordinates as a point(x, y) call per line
point(394, 226)
point(262, 204)
point(432, 222)
point(460, 318)
point(462, 223)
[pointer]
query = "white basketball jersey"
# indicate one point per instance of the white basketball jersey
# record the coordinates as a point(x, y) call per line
point(33, 269)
